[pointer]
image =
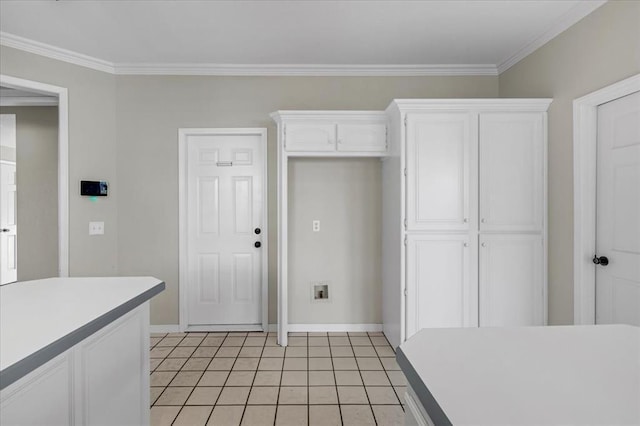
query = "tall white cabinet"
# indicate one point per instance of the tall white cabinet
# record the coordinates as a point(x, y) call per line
point(464, 216)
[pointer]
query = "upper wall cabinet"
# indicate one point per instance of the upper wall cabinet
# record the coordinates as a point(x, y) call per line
point(332, 133)
point(511, 171)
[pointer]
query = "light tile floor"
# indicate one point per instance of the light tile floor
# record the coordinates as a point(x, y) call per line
point(247, 379)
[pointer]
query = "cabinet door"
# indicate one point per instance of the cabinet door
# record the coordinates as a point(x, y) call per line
point(362, 137)
point(310, 137)
point(438, 161)
point(511, 171)
point(439, 283)
point(511, 280)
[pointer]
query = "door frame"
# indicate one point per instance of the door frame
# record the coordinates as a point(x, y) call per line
point(63, 158)
point(585, 120)
point(183, 134)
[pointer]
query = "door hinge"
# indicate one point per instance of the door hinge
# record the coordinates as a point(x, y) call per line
point(405, 292)
point(405, 223)
point(405, 240)
point(405, 172)
point(284, 136)
point(405, 121)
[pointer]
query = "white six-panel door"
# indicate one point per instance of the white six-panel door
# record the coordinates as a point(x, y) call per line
point(224, 211)
point(618, 211)
point(8, 223)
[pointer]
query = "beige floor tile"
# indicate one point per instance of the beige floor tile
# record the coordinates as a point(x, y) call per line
point(259, 415)
point(154, 363)
point(182, 352)
point(319, 351)
point(317, 334)
point(221, 364)
point(238, 334)
point(321, 378)
point(400, 391)
point(240, 378)
point(233, 341)
point(246, 364)
point(191, 341)
point(273, 352)
point(204, 395)
point(263, 395)
point(364, 351)
point(376, 333)
point(344, 364)
point(323, 395)
point(205, 351)
point(375, 378)
point(297, 334)
point(160, 352)
point(295, 363)
point(186, 378)
point(389, 415)
point(385, 351)
point(176, 334)
point(193, 416)
point(154, 341)
point(352, 395)
point(397, 378)
point(267, 378)
point(382, 395)
point(271, 341)
point(155, 393)
point(390, 364)
point(293, 395)
point(196, 364)
point(158, 334)
point(234, 395)
point(162, 378)
point(324, 415)
point(212, 341)
point(320, 364)
point(226, 415)
point(228, 352)
point(258, 334)
point(294, 378)
point(251, 352)
point(358, 334)
point(174, 396)
point(339, 341)
point(379, 341)
point(360, 341)
point(292, 415)
point(369, 364)
point(298, 341)
point(170, 341)
point(213, 378)
point(318, 341)
point(270, 364)
point(171, 364)
point(296, 352)
point(348, 378)
point(255, 341)
point(337, 334)
point(357, 415)
point(341, 351)
point(163, 416)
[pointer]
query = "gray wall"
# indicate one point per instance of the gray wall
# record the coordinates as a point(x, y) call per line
point(600, 50)
point(92, 153)
point(37, 178)
point(152, 108)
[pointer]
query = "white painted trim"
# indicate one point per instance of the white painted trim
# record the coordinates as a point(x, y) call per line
point(183, 133)
point(63, 159)
point(576, 13)
point(222, 328)
point(334, 327)
point(164, 328)
point(18, 101)
point(585, 118)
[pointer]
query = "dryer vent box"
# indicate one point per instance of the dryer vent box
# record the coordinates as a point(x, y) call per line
point(320, 291)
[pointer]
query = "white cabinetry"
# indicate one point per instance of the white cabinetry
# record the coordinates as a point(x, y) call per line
point(472, 184)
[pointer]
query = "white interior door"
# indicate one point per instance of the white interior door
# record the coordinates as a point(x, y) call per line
point(224, 212)
point(618, 212)
point(8, 223)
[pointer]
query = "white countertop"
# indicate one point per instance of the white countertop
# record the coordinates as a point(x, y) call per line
point(532, 375)
point(37, 314)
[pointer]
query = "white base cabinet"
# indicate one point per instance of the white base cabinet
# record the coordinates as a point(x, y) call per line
point(102, 380)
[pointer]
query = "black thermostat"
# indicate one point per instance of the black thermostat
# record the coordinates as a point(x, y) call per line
point(93, 188)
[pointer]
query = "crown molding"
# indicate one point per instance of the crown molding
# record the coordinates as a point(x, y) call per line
point(572, 16)
point(53, 52)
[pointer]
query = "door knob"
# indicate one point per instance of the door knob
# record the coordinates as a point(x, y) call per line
point(602, 260)
point(5, 230)
point(257, 244)
point(257, 231)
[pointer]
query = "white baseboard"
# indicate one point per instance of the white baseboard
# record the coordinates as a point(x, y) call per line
point(214, 328)
point(333, 327)
point(164, 328)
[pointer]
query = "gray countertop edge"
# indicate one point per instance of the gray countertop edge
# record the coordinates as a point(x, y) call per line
point(26, 365)
point(427, 400)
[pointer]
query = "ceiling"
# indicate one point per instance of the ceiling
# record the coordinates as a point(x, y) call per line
point(483, 37)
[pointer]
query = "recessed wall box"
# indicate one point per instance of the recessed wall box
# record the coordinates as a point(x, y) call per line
point(93, 188)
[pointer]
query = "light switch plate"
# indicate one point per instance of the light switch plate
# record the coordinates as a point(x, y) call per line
point(96, 228)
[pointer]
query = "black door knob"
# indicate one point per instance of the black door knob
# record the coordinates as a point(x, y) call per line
point(257, 231)
point(257, 244)
point(602, 260)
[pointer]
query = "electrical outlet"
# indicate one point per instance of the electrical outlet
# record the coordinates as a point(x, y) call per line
point(316, 226)
point(96, 228)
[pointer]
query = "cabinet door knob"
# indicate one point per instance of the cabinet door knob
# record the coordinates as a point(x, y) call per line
point(257, 244)
point(482, 220)
point(483, 244)
point(602, 260)
point(257, 231)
